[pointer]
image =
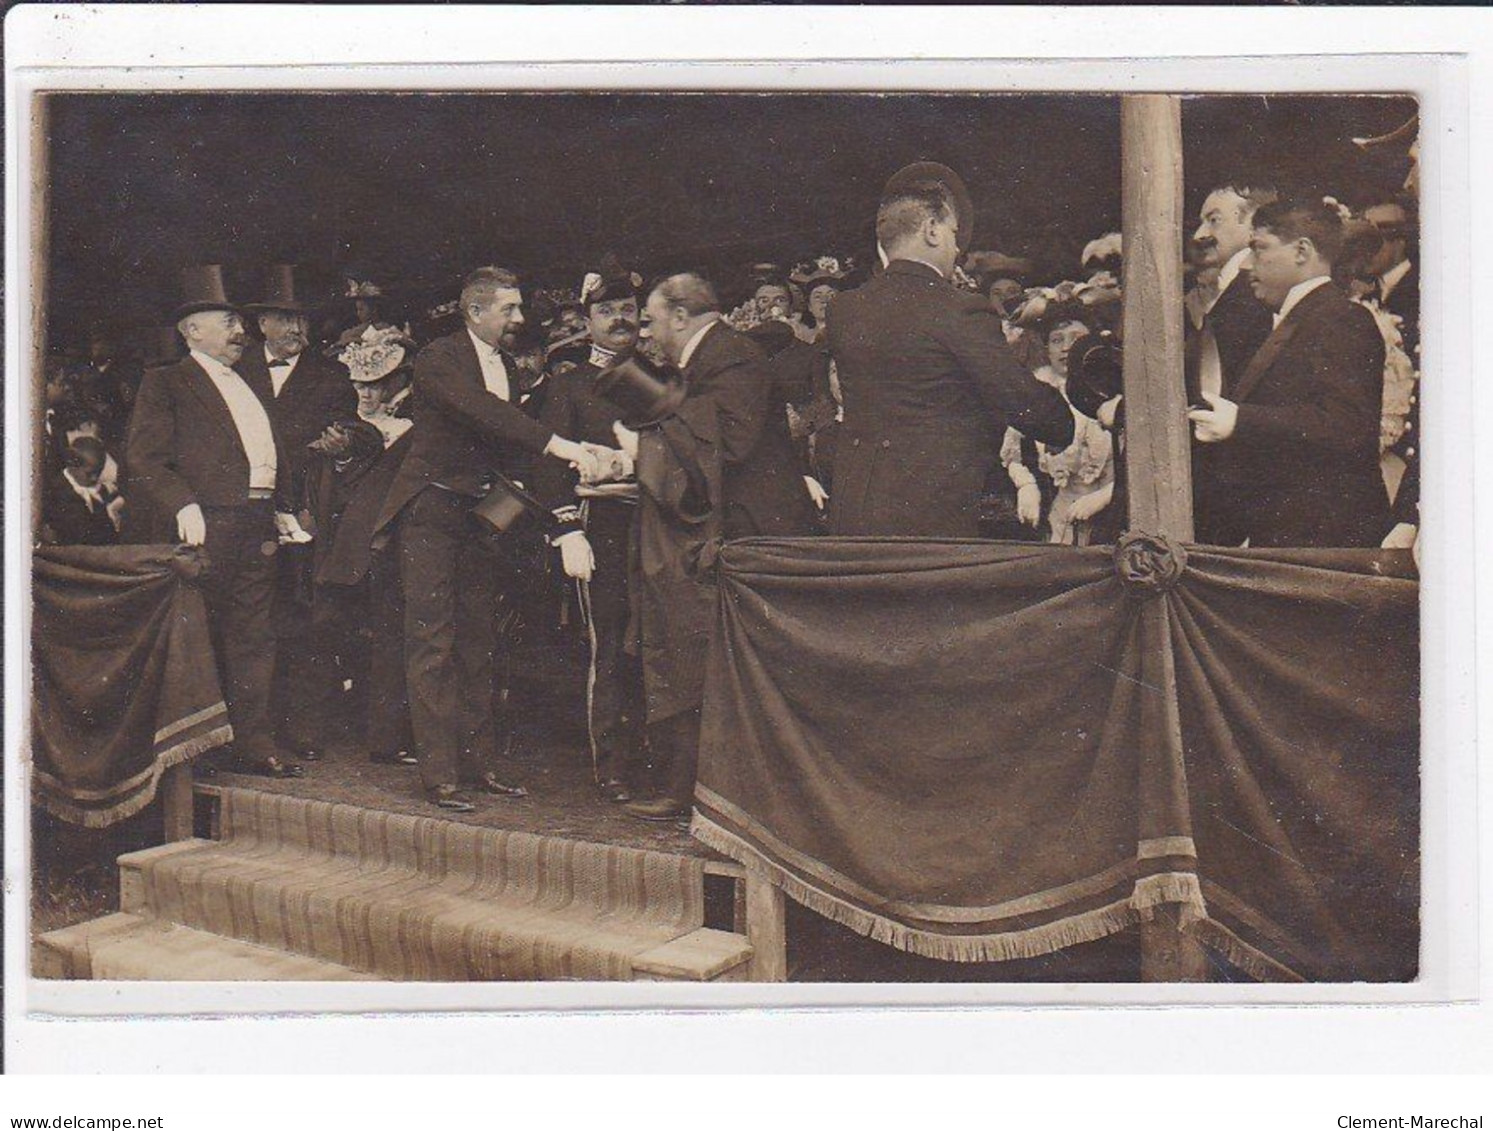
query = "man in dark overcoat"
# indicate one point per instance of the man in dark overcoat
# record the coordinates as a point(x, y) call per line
point(1298, 436)
point(928, 381)
point(308, 394)
point(721, 465)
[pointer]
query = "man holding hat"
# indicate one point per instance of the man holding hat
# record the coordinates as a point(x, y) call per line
point(308, 394)
point(928, 381)
point(203, 448)
point(470, 434)
point(593, 526)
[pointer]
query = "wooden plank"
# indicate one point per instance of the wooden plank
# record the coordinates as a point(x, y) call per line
point(177, 802)
point(766, 930)
point(1158, 450)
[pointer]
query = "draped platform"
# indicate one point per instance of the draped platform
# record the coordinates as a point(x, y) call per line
point(983, 751)
point(125, 684)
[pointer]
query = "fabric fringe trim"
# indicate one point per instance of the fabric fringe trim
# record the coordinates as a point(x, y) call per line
point(64, 809)
point(1174, 888)
point(1233, 949)
point(1005, 946)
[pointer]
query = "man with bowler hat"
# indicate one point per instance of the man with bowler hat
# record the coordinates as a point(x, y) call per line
point(928, 381)
point(308, 394)
point(203, 448)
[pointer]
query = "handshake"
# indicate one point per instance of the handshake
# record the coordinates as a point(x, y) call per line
point(594, 462)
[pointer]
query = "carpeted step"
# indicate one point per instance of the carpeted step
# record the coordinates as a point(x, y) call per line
point(424, 899)
point(131, 948)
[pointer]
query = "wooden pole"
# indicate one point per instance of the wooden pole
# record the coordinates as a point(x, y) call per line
point(1158, 449)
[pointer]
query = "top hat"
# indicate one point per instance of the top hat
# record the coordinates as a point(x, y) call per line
point(202, 289)
point(1096, 372)
point(280, 289)
point(918, 172)
point(644, 394)
point(507, 507)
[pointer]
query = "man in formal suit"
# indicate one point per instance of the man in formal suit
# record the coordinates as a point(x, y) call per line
point(722, 464)
point(928, 381)
point(1298, 436)
point(593, 529)
point(1397, 290)
point(469, 431)
point(202, 447)
point(308, 394)
point(1233, 324)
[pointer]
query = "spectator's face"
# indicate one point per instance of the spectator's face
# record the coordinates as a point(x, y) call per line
point(1005, 296)
point(819, 299)
point(372, 396)
point(87, 472)
point(363, 310)
point(59, 389)
point(217, 333)
point(285, 333)
point(502, 314)
point(1060, 341)
point(1391, 221)
point(613, 324)
point(777, 297)
point(1278, 266)
point(1224, 230)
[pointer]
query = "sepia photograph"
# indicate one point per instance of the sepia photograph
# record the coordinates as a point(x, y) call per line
point(810, 537)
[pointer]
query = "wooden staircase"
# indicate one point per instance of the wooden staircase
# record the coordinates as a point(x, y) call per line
point(298, 889)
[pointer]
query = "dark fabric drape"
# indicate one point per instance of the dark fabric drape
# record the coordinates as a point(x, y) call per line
point(124, 680)
point(982, 751)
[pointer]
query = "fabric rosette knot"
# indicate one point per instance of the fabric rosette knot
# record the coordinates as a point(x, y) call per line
point(1148, 565)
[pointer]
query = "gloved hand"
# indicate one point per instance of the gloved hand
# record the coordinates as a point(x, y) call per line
point(1087, 506)
point(627, 440)
point(1029, 504)
point(191, 526)
point(289, 529)
point(576, 556)
point(816, 491)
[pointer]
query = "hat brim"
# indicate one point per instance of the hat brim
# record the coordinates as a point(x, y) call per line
point(287, 307)
point(964, 204)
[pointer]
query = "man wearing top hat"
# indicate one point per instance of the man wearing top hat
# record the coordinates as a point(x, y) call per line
point(470, 434)
point(593, 525)
point(928, 381)
point(202, 447)
point(308, 394)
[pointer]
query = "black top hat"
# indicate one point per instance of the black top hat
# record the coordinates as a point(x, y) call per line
point(609, 282)
point(921, 172)
point(644, 394)
point(280, 289)
point(507, 507)
point(202, 289)
point(1096, 372)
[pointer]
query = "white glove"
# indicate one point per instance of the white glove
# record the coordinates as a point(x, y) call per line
point(1087, 506)
point(1402, 537)
point(1029, 504)
point(615, 465)
point(1216, 422)
point(115, 511)
point(289, 529)
point(191, 527)
point(816, 491)
point(627, 440)
point(576, 556)
point(578, 456)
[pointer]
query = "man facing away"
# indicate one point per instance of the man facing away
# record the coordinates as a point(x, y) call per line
point(1298, 434)
point(469, 432)
point(928, 380)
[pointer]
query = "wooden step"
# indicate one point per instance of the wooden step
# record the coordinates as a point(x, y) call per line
point(132, 948)
point(423, 899)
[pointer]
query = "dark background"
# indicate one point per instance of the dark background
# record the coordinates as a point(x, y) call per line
point(413, 190)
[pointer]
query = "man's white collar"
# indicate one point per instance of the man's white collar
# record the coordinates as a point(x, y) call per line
point(1299, 292)
point(1393, 278)
point(694, 342)
point(1230, 270)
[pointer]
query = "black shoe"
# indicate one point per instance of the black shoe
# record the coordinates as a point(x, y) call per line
point(614, 791)
point(663, 811)
point(394, 758)
point(449, 798)
point(268, 767)
point(489, 783)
